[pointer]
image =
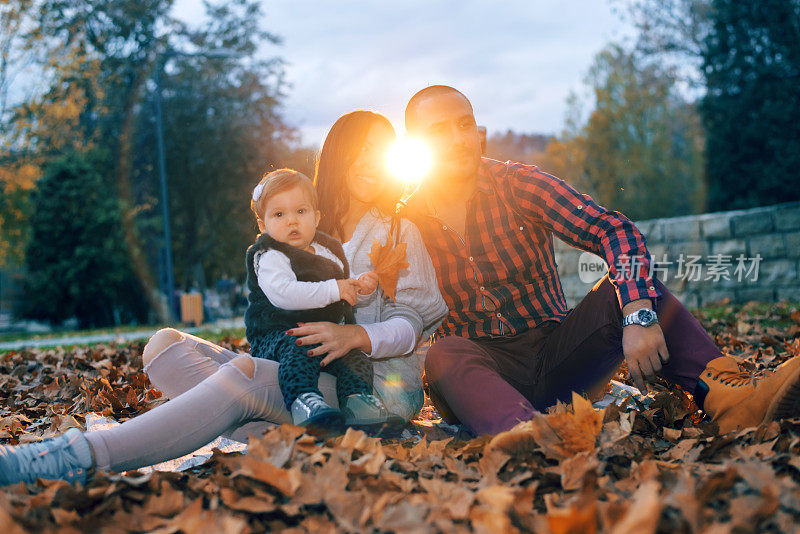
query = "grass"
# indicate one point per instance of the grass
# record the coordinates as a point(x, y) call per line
point(205, 332)
point(774, 315)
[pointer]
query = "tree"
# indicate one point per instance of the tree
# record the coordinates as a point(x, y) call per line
point(524, 148)
point(77, 261)
point(672, 33)
point(641, 150)
point(221, 121)
point(744, 59)
point(222, 131)
point(751, 109)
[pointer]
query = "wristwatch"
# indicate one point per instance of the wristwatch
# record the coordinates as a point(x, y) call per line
point(643, 317)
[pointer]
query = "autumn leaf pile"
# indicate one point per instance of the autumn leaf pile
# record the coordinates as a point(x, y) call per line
point(658, 468)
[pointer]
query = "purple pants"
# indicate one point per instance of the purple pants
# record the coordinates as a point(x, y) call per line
point(491, 384)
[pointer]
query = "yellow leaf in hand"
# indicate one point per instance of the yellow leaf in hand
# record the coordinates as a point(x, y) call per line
point(388, 260)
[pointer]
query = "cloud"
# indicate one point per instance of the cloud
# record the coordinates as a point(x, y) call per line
point(516, 60)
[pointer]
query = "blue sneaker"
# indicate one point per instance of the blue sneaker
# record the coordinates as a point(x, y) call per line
point(311, 411)
point(67, 457)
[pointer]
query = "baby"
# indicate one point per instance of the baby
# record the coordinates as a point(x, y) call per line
point(297, 274)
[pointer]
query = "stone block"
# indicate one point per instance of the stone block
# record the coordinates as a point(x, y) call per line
point(788, 218)
point(717, 227)
point(657, 251)
point(790, 293)
point(567, 264)
point(767, 245)
point(777, 272)
point(732, 247)
point(688, 248)
point(567, 260)
point(652, 230)
point(681, 229)
point(759, 222)
point(792, 244)
point(758, 294)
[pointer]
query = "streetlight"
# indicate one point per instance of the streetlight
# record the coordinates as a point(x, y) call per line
point(162, 165)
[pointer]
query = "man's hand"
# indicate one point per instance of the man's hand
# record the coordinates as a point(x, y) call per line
point(348, 289)
point(367, 283)
point(645, 348)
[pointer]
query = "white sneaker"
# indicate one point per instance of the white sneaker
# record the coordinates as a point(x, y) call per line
point(310, 410)
point(363, 409)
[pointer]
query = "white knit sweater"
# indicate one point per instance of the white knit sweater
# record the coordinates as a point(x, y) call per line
point(398, 378)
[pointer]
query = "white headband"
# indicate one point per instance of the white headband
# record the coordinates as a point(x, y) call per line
point(257, 191)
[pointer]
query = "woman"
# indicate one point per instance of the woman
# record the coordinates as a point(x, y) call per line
point(214, 391)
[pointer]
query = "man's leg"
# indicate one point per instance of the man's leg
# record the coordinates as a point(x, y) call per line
point(586, 347)
point(466, 386)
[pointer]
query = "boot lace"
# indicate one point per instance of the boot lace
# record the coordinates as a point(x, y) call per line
point(731, 378)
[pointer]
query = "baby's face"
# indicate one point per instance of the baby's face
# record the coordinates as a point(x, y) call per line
point(290, 218)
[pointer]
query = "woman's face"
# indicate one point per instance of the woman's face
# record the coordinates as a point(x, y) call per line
point(366, 175)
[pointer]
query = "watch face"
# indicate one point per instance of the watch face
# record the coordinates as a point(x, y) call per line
point(646, 316)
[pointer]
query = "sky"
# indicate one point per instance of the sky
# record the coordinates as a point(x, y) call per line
point(516, 60)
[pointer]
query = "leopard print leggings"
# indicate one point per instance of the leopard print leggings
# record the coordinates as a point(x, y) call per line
point(299, 373)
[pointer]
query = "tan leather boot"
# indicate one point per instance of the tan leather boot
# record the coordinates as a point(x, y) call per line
point(736, 400)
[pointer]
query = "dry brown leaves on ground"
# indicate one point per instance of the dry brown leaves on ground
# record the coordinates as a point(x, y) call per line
point(659, 469)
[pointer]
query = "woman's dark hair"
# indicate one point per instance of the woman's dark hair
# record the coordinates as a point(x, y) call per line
point(341, 148)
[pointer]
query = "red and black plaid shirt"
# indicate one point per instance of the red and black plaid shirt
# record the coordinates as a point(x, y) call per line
point(500, 278)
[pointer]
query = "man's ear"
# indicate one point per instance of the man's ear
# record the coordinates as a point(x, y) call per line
point(261, 227)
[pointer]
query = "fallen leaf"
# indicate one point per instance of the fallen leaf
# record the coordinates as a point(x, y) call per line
point(388, 261)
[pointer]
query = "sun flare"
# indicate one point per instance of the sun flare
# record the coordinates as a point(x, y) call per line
point(409, 160)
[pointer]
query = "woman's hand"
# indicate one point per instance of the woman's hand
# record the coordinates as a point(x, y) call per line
point(335, 340)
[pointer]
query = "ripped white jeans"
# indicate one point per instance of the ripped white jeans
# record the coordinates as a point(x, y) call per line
point(208, 396)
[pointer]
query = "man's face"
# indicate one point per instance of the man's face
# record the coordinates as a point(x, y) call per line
point(446, 123)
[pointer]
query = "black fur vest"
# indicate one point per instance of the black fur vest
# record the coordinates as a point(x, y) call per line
point(262, 317)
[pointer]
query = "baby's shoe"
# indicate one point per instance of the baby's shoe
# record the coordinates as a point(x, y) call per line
point(66, 457)
point(363, 409)
point(310, 410)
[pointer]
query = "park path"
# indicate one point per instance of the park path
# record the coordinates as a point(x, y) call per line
point(114, 336)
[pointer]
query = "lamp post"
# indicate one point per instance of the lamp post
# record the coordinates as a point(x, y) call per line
point(162, 165)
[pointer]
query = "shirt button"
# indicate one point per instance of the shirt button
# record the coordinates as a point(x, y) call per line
point(444, 227)
point(481, 288)
point(652, 288)
point(580, 207)
point(521, 228)
point(470, 258)
point(499, 314)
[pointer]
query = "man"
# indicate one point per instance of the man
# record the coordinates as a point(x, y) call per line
point(509, 345)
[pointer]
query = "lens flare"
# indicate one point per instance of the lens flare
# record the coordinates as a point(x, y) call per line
point(409, 160)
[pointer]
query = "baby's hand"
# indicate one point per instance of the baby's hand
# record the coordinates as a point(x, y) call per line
point(347, 290)
point(367, 283)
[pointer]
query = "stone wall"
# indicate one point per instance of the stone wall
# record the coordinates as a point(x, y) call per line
point(762, 243)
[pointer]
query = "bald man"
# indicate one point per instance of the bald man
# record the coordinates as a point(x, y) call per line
point(509, 345)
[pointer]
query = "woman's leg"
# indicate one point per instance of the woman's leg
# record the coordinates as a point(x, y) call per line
point(241, 391)
point(176, 362)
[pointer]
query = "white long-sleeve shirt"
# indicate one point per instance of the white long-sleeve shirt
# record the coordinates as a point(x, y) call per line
point(280, 285)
